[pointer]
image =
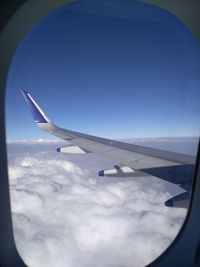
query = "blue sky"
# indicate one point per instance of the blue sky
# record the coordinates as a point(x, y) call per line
point(124, 70)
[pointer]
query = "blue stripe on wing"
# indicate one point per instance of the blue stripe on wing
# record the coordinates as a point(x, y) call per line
point(38, 117)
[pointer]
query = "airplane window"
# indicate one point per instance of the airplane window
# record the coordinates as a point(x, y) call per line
point(102, 123)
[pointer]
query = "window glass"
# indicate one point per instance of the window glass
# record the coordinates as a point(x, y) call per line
point(121, 70)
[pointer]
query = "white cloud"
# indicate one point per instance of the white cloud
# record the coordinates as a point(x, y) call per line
point(65, 215)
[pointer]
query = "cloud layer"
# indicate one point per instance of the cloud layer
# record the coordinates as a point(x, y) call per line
point(65, 215)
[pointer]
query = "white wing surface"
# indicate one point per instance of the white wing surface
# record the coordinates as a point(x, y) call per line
point(174, 167)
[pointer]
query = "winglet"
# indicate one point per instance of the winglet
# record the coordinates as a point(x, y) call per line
point(38, 115)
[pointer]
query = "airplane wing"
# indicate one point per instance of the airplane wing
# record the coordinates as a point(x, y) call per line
point(132, 159)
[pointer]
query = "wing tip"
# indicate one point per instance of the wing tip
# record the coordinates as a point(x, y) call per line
point(24, 93)
point(38, 115)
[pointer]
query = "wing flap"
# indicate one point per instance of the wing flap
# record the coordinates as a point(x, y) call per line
point(179, 201)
